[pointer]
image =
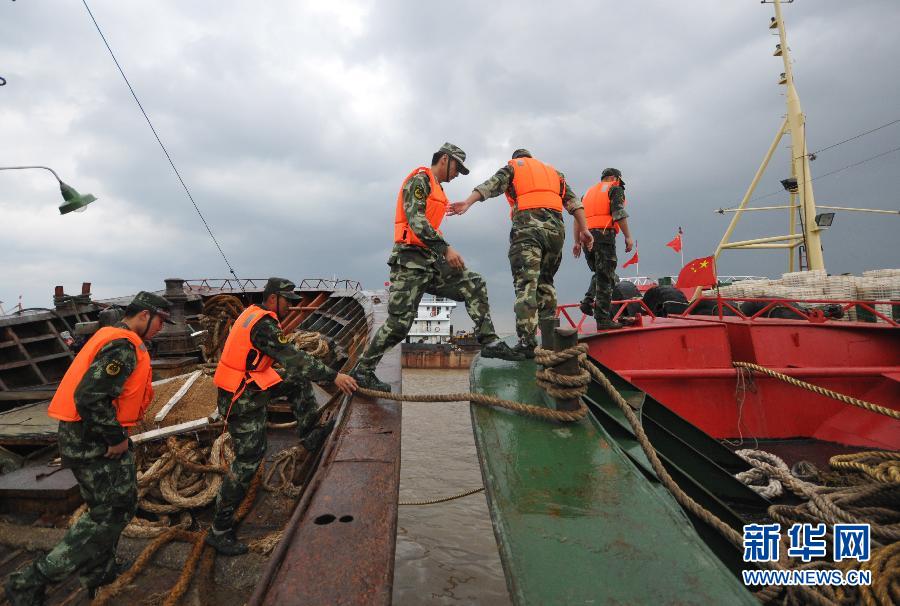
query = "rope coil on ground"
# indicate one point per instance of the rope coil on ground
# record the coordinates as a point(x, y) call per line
point(284, 466)
point(199, 549)
point(760, 482)
point(881, 466)
point(888, 412)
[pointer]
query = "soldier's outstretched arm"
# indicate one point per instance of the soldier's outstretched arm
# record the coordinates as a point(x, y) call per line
point(415, 193)
point(491, 188)
point(267, 337)
point(102, 383)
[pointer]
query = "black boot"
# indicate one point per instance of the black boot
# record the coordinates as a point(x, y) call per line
point(21, 592)
point(525, 348)
point(117, 569)
point(587, 307)
point(366, 379)
point(315, 437)
point(225, 542)
point(608, 324)
point(500, 350)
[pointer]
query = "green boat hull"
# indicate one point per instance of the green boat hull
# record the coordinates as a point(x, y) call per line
point(576, 521)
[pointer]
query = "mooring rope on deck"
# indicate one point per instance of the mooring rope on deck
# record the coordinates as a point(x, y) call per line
point(880, 465)
point(443, 499)
point(810, 595)
point(198, 551)
point(531, 410)
point(882, 410)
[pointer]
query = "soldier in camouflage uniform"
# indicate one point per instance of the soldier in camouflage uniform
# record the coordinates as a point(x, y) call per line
point(535, 247)
point(246, 414)
point(97, 450)
point(422, 262)
point(602, 258)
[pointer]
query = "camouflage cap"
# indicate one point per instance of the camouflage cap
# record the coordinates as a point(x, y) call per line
point(521, 153)
point(611, 172)
point(282, 287)
point(155, 304)
point(457, 154)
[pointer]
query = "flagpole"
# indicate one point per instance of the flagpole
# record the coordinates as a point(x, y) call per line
point(637, 266)
point(681, 238)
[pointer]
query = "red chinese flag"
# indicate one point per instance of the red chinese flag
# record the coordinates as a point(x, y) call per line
point(675, 244)
point(631, 261)
point(699, 272)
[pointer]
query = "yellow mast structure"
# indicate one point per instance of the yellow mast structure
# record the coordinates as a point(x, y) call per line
point(799, 186)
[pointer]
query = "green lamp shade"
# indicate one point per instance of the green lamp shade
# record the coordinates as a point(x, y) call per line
point(72, 200)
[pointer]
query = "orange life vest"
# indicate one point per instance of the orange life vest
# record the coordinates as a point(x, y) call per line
point(537, 185)
point(240, 361)
point(435, 210)
point(596, 206)
point(137, 392)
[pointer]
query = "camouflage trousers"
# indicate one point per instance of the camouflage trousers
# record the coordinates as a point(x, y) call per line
point(247, 427)
point(602, 261)
point(109, 488)
point(535, 254)
point(409, 284)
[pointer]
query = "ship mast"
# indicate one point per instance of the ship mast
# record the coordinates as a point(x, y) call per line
point(799, 186)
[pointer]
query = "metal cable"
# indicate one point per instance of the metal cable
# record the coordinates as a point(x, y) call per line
point(868, 132)
point(158, 140)
point(855, 164)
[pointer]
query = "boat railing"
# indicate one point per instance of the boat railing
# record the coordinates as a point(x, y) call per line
point(562, 311)
point(814, 315)
point(885, 315)
point(225, 285)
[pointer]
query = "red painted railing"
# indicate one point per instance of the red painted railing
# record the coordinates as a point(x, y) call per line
point(815, 316)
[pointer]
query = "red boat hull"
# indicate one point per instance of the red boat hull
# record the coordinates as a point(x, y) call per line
point(686, 364)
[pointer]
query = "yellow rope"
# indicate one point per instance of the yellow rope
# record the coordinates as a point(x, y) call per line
point(443, 499)
point(811, 595)
point(561, 416)
point(888, 412)
point(880, 465)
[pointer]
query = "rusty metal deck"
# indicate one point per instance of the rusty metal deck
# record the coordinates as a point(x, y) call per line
point(338, 547)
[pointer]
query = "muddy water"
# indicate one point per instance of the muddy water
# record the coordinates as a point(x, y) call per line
point(446, 553)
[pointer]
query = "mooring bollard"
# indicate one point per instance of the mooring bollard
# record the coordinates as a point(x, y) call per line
point(566, 338)
point(547, 326)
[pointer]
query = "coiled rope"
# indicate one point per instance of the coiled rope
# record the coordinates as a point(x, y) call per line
point(199, 549)
point(874, 504)
point(809, 594)
point(882, 410)
point(879, 465)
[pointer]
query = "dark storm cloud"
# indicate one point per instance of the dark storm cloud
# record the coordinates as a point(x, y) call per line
point(294, 125)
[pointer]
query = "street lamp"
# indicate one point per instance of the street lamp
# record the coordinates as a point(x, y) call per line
point(72, 200)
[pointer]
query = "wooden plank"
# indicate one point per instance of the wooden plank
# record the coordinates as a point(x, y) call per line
point(172, 430)
point(46, 394)
point(170, 379)
point(178, 395)
point(33, 363)
point(27, 361)
point(60, 340)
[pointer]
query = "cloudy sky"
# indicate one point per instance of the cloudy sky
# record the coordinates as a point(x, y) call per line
point(294, 123)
